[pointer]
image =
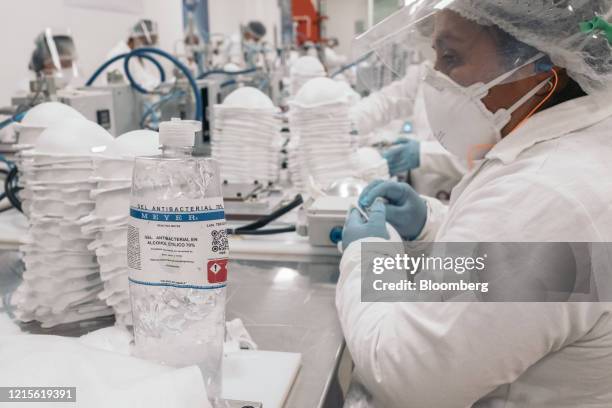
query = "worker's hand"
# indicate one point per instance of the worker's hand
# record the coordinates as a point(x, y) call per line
point(356, 227)
point(405, 210)
point(405, 156)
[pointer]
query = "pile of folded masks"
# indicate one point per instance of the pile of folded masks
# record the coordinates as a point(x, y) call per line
point(108, 223)
point(246, 137)
point(303, 70)
point(37, 119)
point(62, 277)
point(321, 146)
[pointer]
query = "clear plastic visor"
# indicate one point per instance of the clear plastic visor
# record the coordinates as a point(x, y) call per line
point(430, 32)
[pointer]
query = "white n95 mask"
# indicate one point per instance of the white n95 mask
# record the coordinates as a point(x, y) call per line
point(459, 119)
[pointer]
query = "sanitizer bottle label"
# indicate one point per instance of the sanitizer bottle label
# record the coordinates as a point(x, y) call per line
point(180, 243)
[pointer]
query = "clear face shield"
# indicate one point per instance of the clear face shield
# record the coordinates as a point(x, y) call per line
point(145, 33)
point(55, 55)
point(432, 33)
point(485, 68)
point(479, 83)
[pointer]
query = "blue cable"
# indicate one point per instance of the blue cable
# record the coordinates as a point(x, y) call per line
point(352, 64)
point(5, 160)
point(229, 82)
point(177, 63)
point(151, 109)
point(15, 118)
point(162, 73)
point(221, 71)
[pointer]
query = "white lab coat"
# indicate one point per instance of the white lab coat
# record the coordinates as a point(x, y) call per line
point(439, 171)
point(549, 181)
point(144, 73)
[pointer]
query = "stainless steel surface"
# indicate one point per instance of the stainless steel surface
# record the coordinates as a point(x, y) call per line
point(290, 307)
point(285, 306)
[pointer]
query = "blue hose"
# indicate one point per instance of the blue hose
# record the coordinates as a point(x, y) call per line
point(15, 118)
point(162, 73)
point(229, 82)
point(151, 109)
point(223, 72)
point(194, 86)
point(351, 65)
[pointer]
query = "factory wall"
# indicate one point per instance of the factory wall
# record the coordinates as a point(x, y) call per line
point(227, 21)
point(97, 25)
point(344, 17)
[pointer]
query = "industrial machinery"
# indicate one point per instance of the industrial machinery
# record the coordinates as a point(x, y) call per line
point(325, 218)
point(116, 107)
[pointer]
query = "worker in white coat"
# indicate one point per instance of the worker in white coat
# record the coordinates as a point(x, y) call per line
point(522, 91)
point(248, 48)
point(54, 58)
point(144, 33)
point(434, 171)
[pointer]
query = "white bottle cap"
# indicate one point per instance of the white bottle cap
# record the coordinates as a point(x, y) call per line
point(178, 133)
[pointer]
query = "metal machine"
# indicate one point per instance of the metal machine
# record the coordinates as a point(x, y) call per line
point(116, 107)
point(325, 218)
point(127, 107)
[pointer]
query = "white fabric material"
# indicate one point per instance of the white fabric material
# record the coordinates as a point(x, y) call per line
point(103, 379)
point(515, 354)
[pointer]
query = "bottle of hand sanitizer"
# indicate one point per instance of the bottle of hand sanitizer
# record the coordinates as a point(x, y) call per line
point(178, 256)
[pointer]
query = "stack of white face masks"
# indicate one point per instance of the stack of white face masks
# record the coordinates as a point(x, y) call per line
point(321, 145)
point(62, 278)
point(112, 176)
point(246, 138)
point(40, 117)
point(303, 70)
point(370, 165)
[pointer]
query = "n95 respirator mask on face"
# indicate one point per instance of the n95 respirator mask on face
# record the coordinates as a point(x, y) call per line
point(458, 117)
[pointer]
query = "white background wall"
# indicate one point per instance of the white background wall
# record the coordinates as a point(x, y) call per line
point(342, 16)
point(227, 15)
point(95, 31)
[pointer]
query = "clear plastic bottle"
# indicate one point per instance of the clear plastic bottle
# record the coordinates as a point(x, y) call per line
point(177, 256)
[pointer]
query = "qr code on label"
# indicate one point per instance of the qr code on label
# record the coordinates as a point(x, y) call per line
point(219, 240)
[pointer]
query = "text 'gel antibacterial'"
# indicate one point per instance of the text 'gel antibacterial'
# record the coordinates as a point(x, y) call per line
point(177, 256)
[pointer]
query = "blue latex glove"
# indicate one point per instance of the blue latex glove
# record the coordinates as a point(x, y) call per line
point(405, 210)
point(403, 157)
point(356, 228)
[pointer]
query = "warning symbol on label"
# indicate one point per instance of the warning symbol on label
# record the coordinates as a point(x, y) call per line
point(217, 270)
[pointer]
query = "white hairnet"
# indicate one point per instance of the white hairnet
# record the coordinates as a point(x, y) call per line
point(556, 28)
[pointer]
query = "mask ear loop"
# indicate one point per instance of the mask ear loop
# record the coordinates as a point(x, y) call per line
point(476, 148)
point(555, 83)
